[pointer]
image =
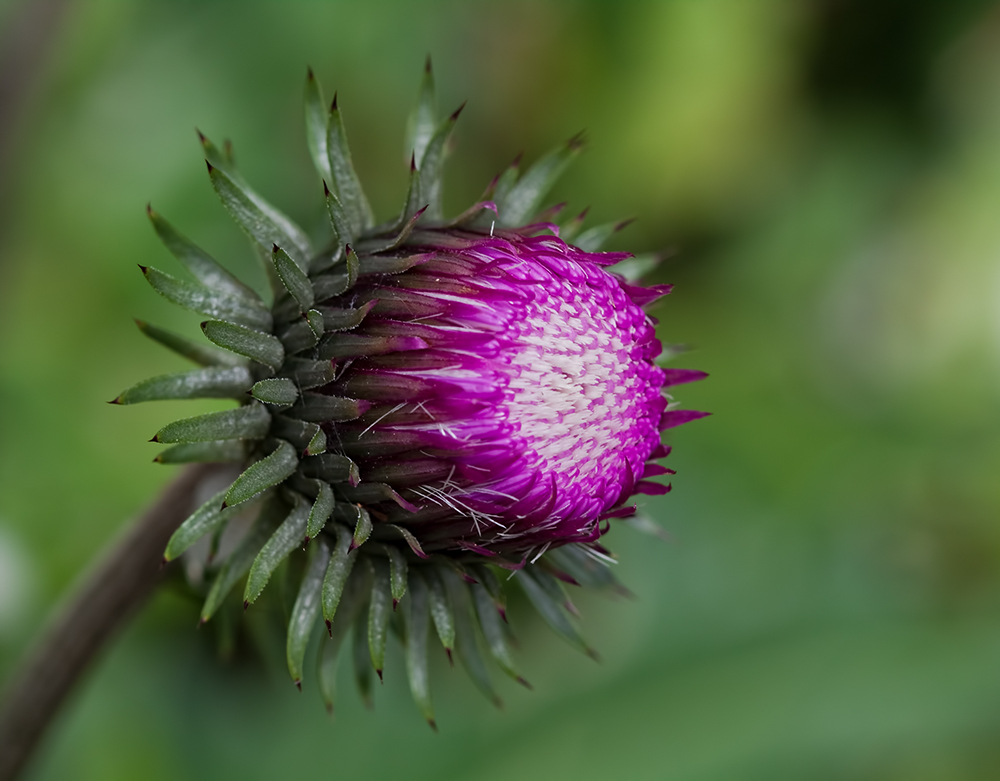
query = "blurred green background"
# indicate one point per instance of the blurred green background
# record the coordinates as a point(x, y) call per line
point(829, 174)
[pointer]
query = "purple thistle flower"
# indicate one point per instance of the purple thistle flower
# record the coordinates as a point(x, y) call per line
point(525, 404)
point(424, 400)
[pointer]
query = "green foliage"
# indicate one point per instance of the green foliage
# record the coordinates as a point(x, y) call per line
point(294, 279)
point(379, 611)
point(201, 265)
point(286, 538)
point(249, 422)
point(270, 471)
point(417, 627)
point(519, 204)
point(321, 509)
point(546, 595)
point(422, 120)
point(306, 609)
point(215, 382)
point(207, 519)
point(205, 301)
point(341, 563)
point(255, 345)
point(276, 390)
point(345, 183)
point(203, 354)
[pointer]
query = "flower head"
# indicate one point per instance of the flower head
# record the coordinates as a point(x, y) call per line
point(424, 400)
point(515, 396)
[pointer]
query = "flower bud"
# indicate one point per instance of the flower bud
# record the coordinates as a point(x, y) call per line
point(425, 400)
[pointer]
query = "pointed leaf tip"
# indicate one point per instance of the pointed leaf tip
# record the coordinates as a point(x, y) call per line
point(198, 262)
point(213, 382)
point(279, 545)
point(518, 201)
point(260, 221)
point(427, 64)
point(271, 470)
point(458, 111)
point(337, 573)
point(306, 609)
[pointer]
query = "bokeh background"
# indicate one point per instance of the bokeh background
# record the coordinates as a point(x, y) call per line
point(826, 179)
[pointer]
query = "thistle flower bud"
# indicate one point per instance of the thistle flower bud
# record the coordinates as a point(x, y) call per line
point(425, 400)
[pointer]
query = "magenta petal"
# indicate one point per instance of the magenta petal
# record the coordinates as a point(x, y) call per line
point(652, 489)
point(621, 512)
point(679, 417)
point(514, 393)
point(681, 376)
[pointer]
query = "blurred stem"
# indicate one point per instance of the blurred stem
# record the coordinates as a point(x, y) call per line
point(28, 33)
point(108, 595)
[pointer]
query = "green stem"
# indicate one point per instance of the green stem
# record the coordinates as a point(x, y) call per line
point(108, 595)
